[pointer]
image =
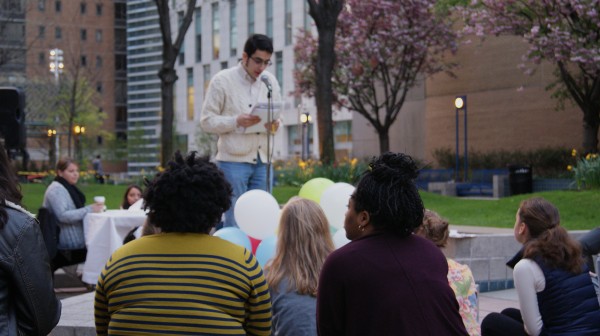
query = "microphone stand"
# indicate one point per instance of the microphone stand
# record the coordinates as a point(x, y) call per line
point(269, 133)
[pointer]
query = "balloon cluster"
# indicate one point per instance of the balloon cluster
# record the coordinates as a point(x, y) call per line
point(257, 214)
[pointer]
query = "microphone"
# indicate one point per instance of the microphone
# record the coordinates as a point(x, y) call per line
point(265, 79)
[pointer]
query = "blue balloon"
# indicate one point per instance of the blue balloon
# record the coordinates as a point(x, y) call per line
point(235, 236)
point(266, 250)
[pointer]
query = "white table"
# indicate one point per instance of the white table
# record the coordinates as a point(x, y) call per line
point(104, 233)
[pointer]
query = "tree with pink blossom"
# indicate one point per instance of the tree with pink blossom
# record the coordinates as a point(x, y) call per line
point(382, 47)
point(563, 32)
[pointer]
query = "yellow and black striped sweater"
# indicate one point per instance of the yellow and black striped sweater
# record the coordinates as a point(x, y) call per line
point(182, 284)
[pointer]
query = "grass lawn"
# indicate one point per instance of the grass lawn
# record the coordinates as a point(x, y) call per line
point(580, 210)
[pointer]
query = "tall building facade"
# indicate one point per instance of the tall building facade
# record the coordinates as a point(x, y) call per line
point(89, 34)
point(144, 58)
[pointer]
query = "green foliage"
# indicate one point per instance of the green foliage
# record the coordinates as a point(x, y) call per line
point(297, 172)
point(587, 172)
point(549, 162)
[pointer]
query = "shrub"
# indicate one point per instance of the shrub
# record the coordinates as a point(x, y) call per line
point(296, 172)
point(587, 172)
point(547, 162)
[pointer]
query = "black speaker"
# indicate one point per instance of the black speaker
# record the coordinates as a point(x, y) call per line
point(12, 117)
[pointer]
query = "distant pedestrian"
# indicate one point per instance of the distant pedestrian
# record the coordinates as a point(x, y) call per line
point(98, 171)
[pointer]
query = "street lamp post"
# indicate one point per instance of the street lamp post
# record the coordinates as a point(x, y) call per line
point(460, 103)
point(56, 67)
point(78, 130)
point(305, 119)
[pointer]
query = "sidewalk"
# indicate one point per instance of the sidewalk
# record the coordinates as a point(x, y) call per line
point(496, 301)
point(78, 311)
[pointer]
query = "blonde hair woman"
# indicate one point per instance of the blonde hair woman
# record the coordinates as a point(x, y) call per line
point(303, 244)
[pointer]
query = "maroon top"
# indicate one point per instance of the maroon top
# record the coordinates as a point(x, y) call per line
point(387, 285)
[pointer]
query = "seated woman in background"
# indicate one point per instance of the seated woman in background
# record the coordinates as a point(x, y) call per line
point(387, 280)
point(132, 195)
point(67, 203)
point(183, 281)
point(460, 277)
point(303, 243)
point(555, 290)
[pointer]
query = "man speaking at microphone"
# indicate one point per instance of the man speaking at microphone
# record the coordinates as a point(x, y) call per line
point(228, 103)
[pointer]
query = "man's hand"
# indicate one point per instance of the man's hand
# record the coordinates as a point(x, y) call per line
point(247, 120)
point(272, 127)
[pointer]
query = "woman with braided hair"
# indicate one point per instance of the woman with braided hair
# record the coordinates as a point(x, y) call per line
point(386, 281)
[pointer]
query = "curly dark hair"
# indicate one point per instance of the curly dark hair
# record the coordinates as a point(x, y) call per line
point(191, 195)
point(388, 193)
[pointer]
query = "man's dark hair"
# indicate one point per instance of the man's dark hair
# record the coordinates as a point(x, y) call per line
point(191, 195)
point(388, 193)
point(258, 42)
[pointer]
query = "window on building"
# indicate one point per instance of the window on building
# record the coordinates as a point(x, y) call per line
point(99, 9)
point(99, 87)
point(42, 32)
point(98, 62)
point(307, 17)
point(98, 35)
point(269, 13)
point(83, 60)
point(121, 114)
point(279, 68)
point(216, 27)
point(42, 5)
point(250, 17)
point(223, 65)
point(57, 33)
point(83, 34)
point(233, 28)
point(42, 58)
point(58, 6)
point(190, 93)
point(82, 8)
point(342, 135)
point(198, 33)
point(288, 22)
point(206, 76)
point(181, 56)
point(121, 11)
point(120, 62)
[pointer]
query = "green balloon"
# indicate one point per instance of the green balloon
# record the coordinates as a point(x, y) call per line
point(314, 188)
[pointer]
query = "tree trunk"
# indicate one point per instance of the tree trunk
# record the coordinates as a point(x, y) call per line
point(168, 78)
point(323, 95)
point(384, 140)
point(591, 123)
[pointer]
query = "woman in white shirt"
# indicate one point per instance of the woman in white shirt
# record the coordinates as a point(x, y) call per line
point(555, 291)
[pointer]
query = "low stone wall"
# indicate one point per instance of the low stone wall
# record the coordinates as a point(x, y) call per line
point(486, 254)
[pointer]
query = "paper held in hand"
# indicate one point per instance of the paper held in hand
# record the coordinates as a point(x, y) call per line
point(262, 110)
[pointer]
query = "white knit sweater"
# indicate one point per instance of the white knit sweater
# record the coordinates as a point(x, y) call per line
point(230, 93)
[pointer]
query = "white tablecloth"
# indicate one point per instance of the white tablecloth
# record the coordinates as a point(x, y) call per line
point(104, 233)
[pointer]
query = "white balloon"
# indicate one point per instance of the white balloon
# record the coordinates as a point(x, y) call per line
point(257, 213)
point(334, 202)
point(339, 238)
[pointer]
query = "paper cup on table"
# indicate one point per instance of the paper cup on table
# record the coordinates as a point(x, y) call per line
point(100, 200)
